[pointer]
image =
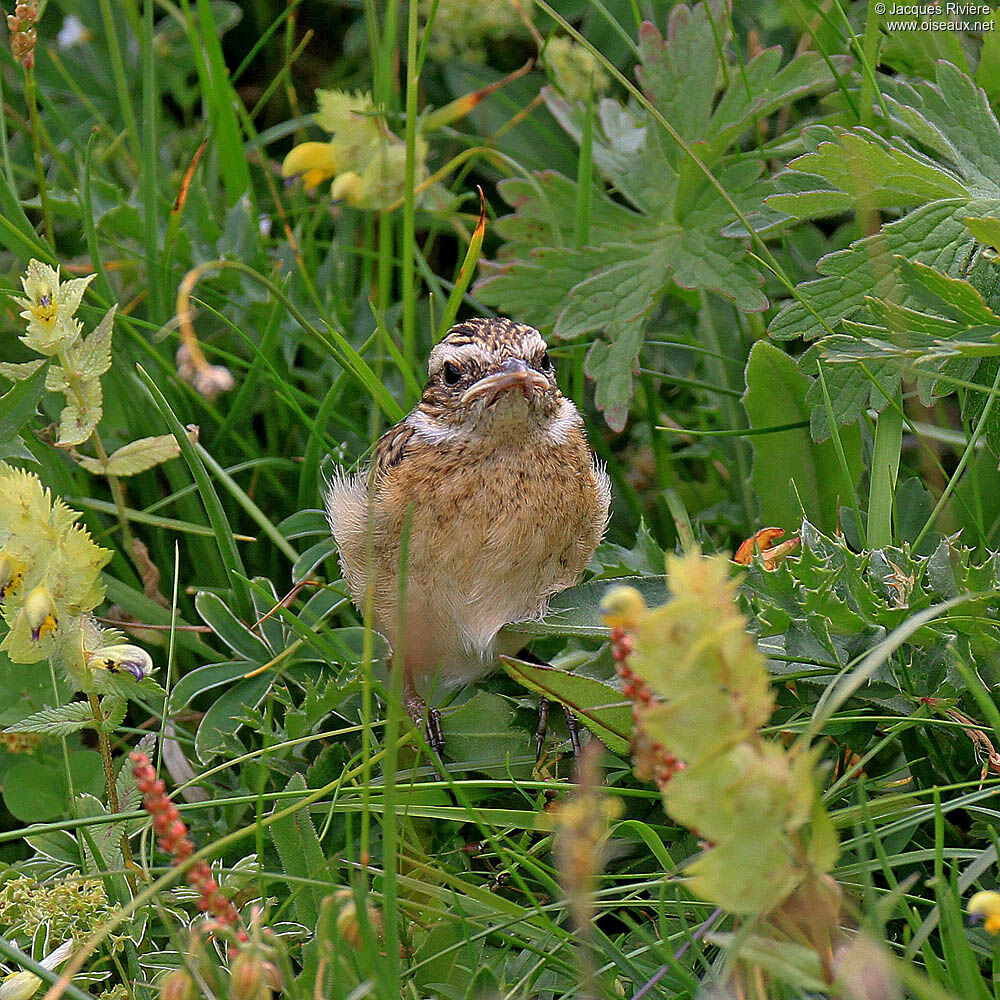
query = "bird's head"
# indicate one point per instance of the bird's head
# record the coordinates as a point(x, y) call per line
point(491, 372)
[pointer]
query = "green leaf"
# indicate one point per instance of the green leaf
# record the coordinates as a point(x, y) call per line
point(35, 790)
point(19, 404)
point(216, 614)
point(986, 230)
point(671, 231)
point(599, 706)
point(219, 726)
point(483, 734)
point(134, 457)
point(59, 721)
point(301, 856)
point(776, 394)
point(868, 169)
point(577, 611)
point(202, 679)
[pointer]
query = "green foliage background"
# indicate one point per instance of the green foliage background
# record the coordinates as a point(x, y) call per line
point(766, 263)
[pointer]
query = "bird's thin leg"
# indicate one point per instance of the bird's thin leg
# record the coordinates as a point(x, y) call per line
point(543, 726)
point(424, 717)
point(573, 726)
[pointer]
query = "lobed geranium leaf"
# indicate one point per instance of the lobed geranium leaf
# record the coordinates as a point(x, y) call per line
point(671, 231)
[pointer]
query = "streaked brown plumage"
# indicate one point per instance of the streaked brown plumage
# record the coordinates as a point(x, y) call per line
point(508, 505)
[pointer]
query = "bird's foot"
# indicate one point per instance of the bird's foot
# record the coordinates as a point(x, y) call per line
point(426, 719)
point(543, 727)
point(572, 727)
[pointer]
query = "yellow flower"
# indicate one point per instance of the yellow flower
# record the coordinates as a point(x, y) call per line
point(315, 161)
point(24, 985)
point(347, 187)
point(50, 308)
point(366, 161)
point(11, 574)
point(40, 613)
point(622, 607)
point(50, 581)
point(123, 656)
point(987, 905)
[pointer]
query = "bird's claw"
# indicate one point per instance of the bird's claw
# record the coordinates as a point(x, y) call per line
point(543, 727)
point(572, 727)
point(433, 733)
point(426, 719)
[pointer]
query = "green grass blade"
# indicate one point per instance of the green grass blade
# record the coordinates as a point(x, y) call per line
point(228, 551)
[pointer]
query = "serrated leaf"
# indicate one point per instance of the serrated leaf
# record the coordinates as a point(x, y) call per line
point(92, 356)
point(58, 721)
point(866, 168)
point(134, 457)
point(301, 856)
point(17, 372)
point(81, 414)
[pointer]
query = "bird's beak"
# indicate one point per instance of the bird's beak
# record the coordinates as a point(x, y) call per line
point(514, 372)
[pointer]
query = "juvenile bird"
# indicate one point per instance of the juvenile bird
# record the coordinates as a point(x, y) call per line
point(506, 506)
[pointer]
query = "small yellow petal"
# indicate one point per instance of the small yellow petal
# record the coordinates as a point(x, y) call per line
point(987, 904)
point(315, 160)
point(19, 986)
point(622, 607)
point(347, 187)
point(11, 574)
point(41, 613)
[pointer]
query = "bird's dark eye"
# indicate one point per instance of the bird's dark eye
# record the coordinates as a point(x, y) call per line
point(546, 363)
point(451, 374)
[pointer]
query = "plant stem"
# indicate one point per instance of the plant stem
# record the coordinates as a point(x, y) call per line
point(117, 490)
point(36, 125)
point(109, 782)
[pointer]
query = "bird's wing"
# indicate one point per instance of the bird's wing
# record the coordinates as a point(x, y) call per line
point(391, 448)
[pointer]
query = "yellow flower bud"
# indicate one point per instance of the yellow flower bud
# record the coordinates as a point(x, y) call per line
point(987, 904)
point(11, 574)
point(40, 611)
point(248, 978)
point(19, 986)
point(622, 607)
point(347, 187)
